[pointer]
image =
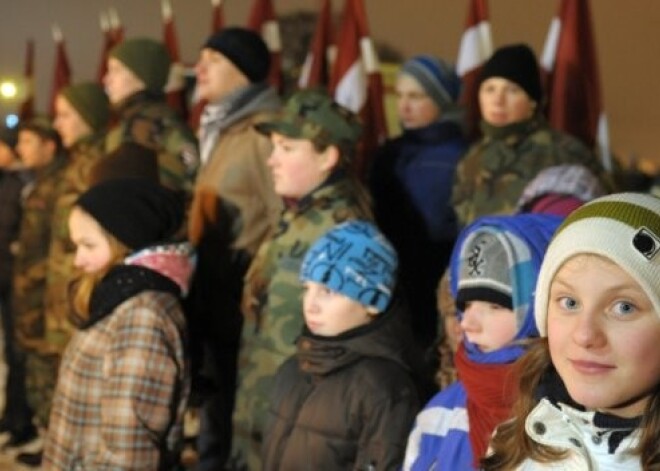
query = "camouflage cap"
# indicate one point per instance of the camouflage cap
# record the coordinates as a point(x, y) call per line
point(312, 114)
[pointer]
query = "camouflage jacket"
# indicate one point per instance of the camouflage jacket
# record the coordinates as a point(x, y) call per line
point(152, 123)
point(31, 251)
point(82, 157)
point(273, 293)
point(495, 171)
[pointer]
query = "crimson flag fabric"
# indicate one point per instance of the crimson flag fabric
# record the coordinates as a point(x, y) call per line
point(26, 110)
point(113, 34)
point(175, 87)
point(475, 49)
point(572, 78)
point(62, 69)
point(262, 19)
point(315, 71)
point(357, 83)
point(217, 16)
point(116, 28)
point(108, 43)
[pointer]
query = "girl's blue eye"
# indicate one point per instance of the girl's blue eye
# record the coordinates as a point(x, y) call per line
point(624, 308)
point(568, 303)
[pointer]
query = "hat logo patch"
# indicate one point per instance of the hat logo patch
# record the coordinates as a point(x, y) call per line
point(646, 243)
point(476, 261)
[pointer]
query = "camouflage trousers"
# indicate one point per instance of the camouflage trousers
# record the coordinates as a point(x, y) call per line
point(40, 381)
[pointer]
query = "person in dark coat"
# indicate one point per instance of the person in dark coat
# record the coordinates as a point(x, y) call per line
point(411, 181)
point(346, 399)
point(13, 178)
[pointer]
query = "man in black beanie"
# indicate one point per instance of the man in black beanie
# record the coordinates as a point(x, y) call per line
point(234, 207)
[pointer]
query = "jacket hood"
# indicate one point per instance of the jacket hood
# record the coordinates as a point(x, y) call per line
point(385, 337)
point(174, 261)
point(527, 237)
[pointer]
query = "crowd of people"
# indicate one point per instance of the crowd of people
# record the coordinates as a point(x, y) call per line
point(492, 304)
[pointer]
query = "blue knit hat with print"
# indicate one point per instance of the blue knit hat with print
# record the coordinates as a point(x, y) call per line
point(438, 79)
point(354, 259)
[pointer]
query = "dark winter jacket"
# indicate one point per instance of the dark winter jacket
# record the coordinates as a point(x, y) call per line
point(343, 403)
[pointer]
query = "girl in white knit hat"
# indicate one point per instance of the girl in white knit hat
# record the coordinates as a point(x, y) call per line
point(590, 388)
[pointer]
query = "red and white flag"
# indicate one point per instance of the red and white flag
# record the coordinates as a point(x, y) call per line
point(262, 19)
point(572, 79)
point(108, 43)
point(217, 16)
point(116, 28)
point(356, 81)
point(475, 49)
point(175, 88)
point(26, 110)
point(316, 69)
point(198, 104)
point(62, 69)
point(113, 33)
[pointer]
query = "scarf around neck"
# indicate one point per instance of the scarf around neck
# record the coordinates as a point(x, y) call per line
point(121, 283)
point(491, 391)
point(222, 114)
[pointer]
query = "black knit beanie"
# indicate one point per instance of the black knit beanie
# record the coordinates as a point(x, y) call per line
point(137, 211)
point(517, 63)
point(245, 49)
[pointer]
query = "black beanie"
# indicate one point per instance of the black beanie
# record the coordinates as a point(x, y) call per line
point(245, 49)
point(518, 64)
point(137, 211)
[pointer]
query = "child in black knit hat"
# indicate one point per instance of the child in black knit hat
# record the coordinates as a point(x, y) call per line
point(124, 379)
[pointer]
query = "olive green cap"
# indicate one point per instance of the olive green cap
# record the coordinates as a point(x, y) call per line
point(312, 114)
point(91, 103)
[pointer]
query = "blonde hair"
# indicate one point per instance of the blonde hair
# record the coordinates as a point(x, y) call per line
point(83, 287)
point(511, 445)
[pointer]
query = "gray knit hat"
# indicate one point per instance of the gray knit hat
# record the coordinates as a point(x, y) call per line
point(147, 59)
point(623, 228)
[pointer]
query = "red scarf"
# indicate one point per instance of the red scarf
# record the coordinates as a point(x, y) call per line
point(491, 391)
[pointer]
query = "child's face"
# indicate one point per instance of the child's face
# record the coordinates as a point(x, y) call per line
point(296, 166)
point(487, 325)
point(414, 107)
point(604, 336)
point(328, 313)
point(93, 252)
point(69, 124)
point(120, 82)
point(33, 150)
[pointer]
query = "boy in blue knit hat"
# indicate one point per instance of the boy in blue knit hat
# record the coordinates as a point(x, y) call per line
point(346, 399)
point(493, 271)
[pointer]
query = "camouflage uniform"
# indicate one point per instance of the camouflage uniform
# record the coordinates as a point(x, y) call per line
point(30, 270)
point(495, 171)
point(75, 181)
point(276, 320)
point(152, 123)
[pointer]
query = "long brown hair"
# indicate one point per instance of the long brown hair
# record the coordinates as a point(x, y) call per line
point(511, 445)
point(84, 285)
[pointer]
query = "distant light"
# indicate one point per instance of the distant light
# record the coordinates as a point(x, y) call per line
point(11, 120)
point(8, 89)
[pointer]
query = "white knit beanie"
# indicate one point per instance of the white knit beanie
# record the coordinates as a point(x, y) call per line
point(623, 227)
